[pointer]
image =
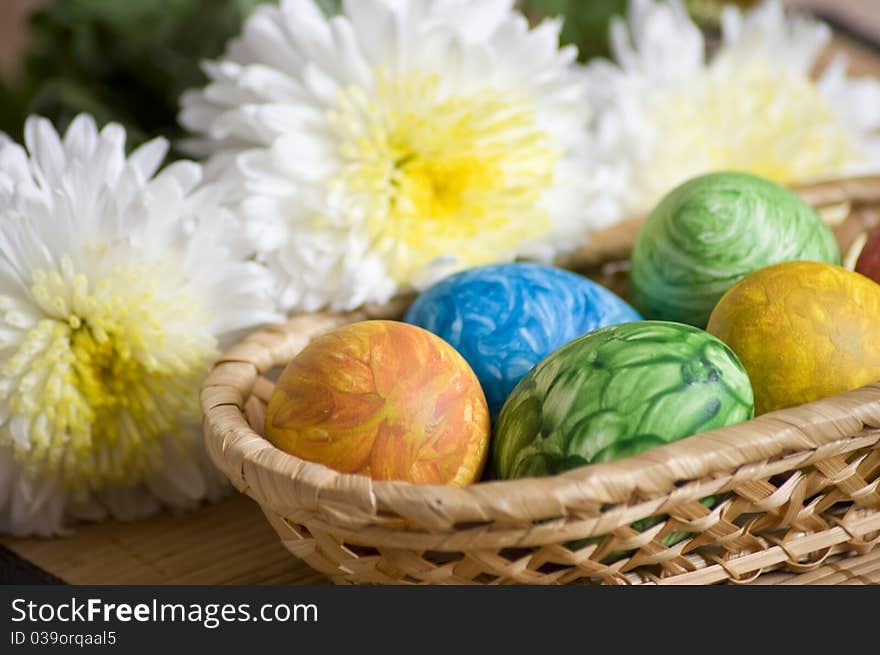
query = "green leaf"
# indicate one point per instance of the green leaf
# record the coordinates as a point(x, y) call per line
point(330, 7)
point(122, 61)
point(585, 24)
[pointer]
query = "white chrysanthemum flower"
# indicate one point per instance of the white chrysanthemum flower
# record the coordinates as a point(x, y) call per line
point(401, 140)
point(115, 285)
point(669, 112)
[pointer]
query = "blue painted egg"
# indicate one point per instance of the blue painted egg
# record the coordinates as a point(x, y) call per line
point(505, 318)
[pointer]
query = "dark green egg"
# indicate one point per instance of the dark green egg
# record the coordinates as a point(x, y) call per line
point(617, 392)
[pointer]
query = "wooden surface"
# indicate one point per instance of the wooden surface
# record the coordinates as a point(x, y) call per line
point(232, 543)
point(226, 543)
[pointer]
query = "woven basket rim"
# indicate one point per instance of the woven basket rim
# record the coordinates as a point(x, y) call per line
point(237, 449)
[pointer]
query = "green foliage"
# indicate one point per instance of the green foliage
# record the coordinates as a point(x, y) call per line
point(585, 21)
point(122, 61)
point(708, 12)
point(330, 7)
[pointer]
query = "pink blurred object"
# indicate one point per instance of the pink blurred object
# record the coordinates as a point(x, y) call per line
point(868, 262)
point(13, 30)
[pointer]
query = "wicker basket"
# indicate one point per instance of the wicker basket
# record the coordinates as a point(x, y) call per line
point(796, 485)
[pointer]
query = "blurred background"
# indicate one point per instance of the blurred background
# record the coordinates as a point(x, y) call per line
point(129, 61)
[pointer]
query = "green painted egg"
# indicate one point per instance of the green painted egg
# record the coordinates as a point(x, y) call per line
point(616, 392)
point(712, 231)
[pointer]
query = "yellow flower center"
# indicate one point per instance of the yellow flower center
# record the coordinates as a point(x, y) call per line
point(109, 369)
point(430, 170)
point(754, 118)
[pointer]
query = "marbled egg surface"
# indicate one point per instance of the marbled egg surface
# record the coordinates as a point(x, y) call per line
point(616, 392)
point(803, 330)
point(710, 232)
point(383, 399)
point(505, 318)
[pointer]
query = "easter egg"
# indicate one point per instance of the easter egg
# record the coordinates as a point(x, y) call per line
point(868, 262)
point(505, 318)
point(616, 392)
point(803, 330)
point(711, 231)
point(384, 399)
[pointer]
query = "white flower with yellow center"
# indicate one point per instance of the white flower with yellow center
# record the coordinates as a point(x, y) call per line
point(115, 285)
point(399, 141)
point(668, 111)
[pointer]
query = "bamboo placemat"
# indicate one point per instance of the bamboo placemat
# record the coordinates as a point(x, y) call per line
point(232, 543)
point(229, 542)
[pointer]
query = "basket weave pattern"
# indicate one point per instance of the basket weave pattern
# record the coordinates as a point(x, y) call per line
point(792, 487)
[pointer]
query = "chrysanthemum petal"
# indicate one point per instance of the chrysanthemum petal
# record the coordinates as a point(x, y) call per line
point(667, 112)
point(399, 141)
point(118, 285)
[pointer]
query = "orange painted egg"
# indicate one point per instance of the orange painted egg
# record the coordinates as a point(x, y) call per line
point(383, 399)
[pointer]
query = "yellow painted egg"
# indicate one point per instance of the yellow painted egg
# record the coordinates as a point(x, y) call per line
point(803, 331)
point(384, 399)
